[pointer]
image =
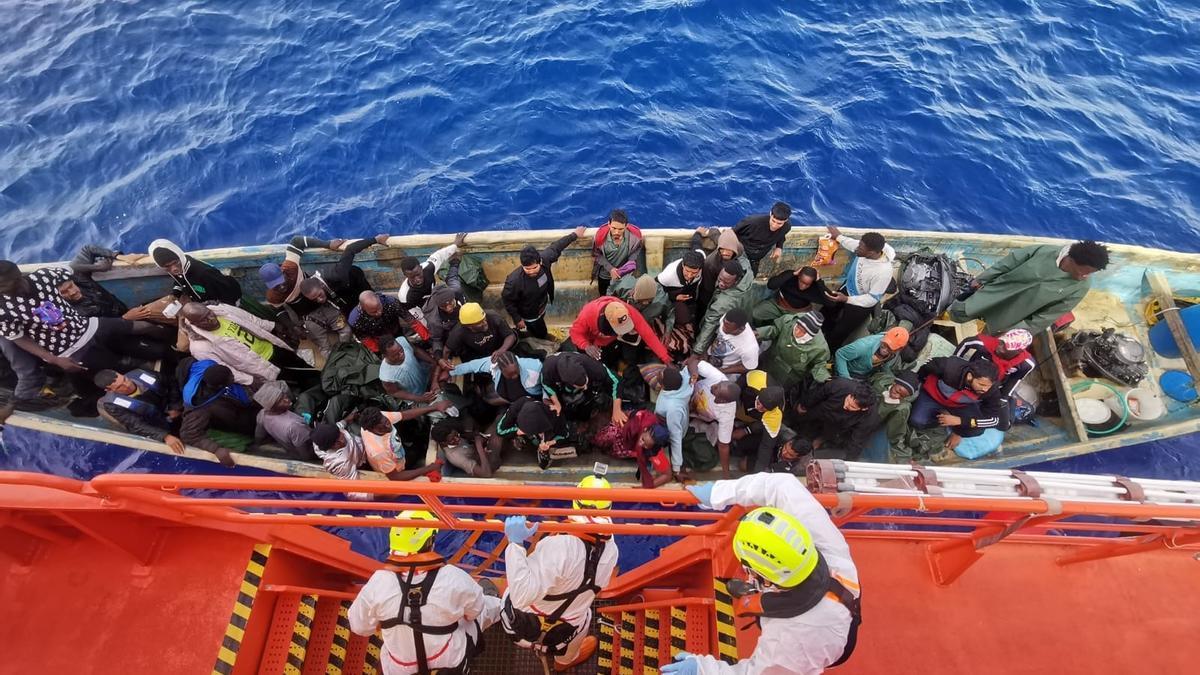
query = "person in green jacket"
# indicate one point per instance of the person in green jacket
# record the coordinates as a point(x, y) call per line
point(732, 283)
point(872, 354)
point(798, 349)
point(895, 403)
point(647, 297)
point(1031, 287)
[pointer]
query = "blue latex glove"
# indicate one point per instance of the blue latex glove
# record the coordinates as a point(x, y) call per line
point(685, 663)
point(703, 492)
point(518, 530)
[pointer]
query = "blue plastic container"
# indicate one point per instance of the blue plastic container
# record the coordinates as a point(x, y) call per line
point(1178, 385)
point(1164, 343)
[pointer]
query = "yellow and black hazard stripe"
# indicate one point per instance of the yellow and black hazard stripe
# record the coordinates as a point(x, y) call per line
point(650, 642)
point(678, 630)
point(372, 667)
point(628, 629)
point(231, 643)
point(341, 641)
point(306, 611)
point(604, 657)
point(726, 630)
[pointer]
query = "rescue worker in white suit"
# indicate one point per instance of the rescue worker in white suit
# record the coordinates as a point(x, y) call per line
point(418, 593)
point(548, 600)
point(807, 599)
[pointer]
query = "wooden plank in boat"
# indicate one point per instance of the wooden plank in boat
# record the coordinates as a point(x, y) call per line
point(1066, 402)
point(1170, 313)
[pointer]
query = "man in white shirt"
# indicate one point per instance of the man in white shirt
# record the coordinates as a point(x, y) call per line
point(340, 452)
point(735, 350)
point(868, 275)
point(431, 613)
point(714, 407)
point(807, 599)
point(556, 584)
point(419, 277)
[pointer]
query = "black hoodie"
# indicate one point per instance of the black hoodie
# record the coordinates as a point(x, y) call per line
point(826, 417)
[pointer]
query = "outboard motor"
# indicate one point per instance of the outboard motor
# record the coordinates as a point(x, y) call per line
point(1107, 354)
point(928, 283)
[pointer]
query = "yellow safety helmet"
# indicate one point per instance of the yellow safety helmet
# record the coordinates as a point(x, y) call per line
point(410, 540)
point(593, 482)
point(776, 546)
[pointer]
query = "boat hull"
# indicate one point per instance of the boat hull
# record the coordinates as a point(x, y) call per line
point(1117, 299)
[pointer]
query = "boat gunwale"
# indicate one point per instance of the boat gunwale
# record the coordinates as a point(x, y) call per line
point(518, 238)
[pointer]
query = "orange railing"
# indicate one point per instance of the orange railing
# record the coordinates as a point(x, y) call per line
point(952, 525)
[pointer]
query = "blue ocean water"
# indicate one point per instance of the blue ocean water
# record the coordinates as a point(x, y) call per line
point(219, 122)
point(222, 122)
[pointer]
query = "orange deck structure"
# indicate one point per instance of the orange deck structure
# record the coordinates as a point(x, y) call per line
point(140, 574)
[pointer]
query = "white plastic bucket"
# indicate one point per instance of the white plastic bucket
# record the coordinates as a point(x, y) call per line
point(1101, 406)
point(1093, 411)
point(1145, 404)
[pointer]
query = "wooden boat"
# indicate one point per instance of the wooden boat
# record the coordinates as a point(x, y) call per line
point(1118, 300)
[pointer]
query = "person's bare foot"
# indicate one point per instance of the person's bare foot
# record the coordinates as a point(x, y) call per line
point(225, 457)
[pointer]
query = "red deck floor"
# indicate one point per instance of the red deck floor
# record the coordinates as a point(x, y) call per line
point(1016, 611)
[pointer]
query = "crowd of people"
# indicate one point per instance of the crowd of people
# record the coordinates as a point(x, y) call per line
point(681, 370)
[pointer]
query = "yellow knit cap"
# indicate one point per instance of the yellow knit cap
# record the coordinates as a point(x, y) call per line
point(470, 313)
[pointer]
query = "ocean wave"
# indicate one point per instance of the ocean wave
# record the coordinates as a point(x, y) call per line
point(222, 125)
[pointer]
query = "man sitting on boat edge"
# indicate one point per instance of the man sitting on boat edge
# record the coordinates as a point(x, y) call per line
point(38, 320)
point(763, 234)
point(141, 402)
point(1031, 287)
point(868, 276)
point(529, 288)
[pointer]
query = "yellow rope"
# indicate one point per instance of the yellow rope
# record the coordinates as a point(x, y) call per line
point(1153, 311)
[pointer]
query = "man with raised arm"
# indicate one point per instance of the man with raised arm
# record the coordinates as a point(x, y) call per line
point(529, 289)
point(419, 276)
point(803, 584)
point(548, 602)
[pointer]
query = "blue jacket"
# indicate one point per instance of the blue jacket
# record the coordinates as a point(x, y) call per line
point(531, 372)
point(673, 405)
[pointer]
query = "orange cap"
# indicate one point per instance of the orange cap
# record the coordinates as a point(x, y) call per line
point(896, 338)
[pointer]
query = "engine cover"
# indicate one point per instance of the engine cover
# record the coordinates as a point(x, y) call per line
point(1107, 354)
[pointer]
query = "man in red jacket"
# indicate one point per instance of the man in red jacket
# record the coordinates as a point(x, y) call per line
point(607, 320)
